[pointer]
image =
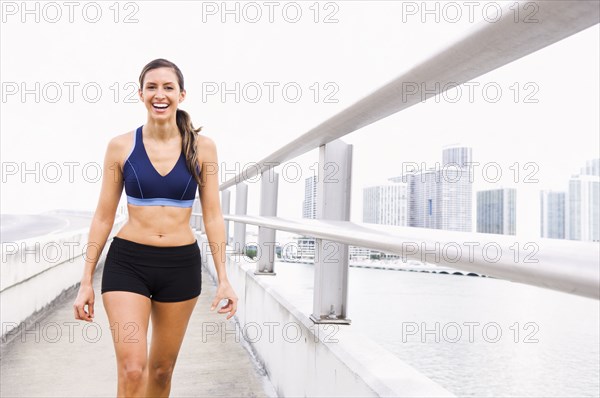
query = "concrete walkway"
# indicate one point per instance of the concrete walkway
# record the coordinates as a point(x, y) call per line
point(69, 358)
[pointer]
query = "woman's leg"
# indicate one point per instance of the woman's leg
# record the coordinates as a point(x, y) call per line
point(128, 315)
point(169, 323)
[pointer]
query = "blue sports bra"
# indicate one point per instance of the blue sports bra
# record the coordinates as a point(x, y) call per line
point(144, 186)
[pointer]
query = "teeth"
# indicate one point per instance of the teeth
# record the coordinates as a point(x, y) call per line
point(161, 105)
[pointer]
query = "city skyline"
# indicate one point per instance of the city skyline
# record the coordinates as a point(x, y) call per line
point(494, 208)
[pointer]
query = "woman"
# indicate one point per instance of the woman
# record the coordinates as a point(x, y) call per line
point(153, 265)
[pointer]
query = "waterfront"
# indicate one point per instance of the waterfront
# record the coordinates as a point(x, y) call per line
point(388, 306)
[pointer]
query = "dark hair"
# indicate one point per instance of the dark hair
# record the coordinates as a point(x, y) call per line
point(184, 122)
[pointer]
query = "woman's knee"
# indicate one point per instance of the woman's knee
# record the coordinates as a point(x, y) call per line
point(162, 372)
point(132, 371)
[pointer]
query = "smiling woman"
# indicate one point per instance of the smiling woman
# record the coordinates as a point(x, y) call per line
point(153, 265)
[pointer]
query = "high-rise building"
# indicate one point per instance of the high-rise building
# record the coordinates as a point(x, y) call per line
point(591, 168)
point(309, 205)
point(456, 189)
point(458, 155)
point(552, 214)
point(306, 244)
point(424, 195)
point(496, 211)
point(583, 204)
point(386, 204)
point(383, 204)
point(441, 198)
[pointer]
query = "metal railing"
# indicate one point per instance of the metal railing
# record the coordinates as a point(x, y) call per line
point(562, 265)
point(543, 262)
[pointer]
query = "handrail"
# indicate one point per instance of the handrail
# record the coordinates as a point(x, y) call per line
point(562, 265)
point(481, 49)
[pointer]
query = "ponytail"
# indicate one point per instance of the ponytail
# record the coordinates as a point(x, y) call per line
point(188, 135)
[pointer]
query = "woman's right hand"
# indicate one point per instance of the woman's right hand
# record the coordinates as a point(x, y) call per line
point(85, 296)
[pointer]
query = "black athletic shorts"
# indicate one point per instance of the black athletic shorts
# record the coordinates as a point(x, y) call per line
point(161, 273)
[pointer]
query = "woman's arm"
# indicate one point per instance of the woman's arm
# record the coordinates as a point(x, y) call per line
point(214, 223)
point(104, 217)
point(211, 206)
point(102, 224)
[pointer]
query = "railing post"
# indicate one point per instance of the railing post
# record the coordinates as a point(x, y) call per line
point(330, 300)
point(239, 228)
point(266, 236)
point(225, 209)
point(196, 220)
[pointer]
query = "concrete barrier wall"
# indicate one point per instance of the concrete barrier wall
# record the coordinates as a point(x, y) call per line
point(307, 359)
point(36, 271)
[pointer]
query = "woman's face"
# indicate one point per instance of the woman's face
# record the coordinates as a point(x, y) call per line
point(160, 93)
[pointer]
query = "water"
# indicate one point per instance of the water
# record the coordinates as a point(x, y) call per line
point(537, 342)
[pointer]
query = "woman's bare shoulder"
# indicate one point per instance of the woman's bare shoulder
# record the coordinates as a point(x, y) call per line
point(119, 146)
point(122, 139)
point(203, 140)
point(205, 144)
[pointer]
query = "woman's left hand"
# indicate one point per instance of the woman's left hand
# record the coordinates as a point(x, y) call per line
point(225, 291)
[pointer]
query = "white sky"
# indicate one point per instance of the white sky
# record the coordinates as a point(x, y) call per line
point(368, 46)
